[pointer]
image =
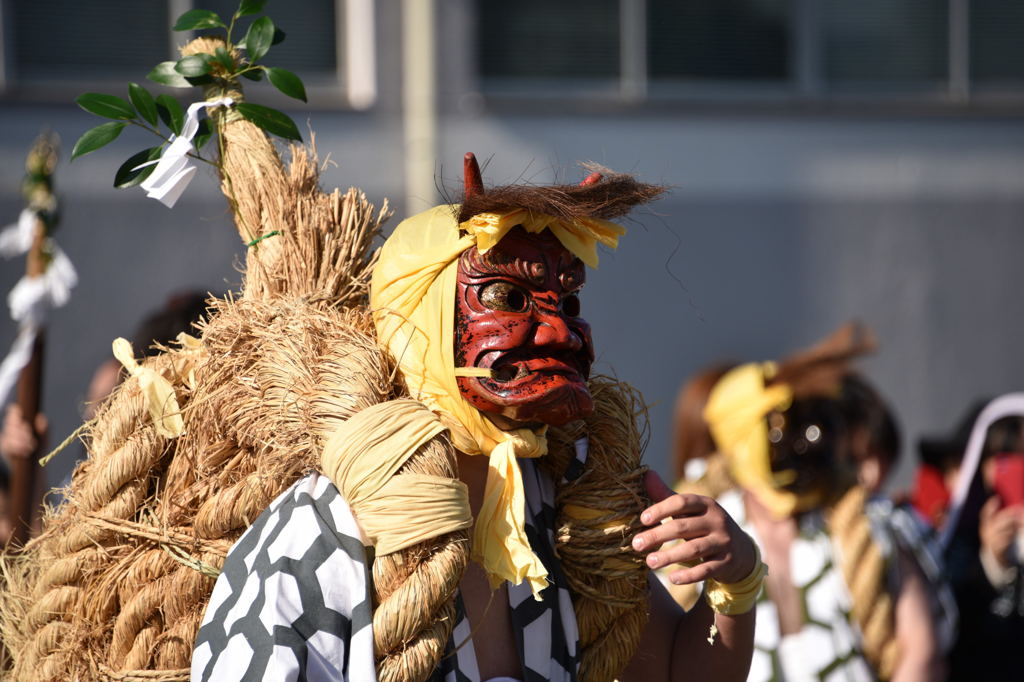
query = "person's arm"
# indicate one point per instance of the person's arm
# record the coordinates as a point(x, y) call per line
point(17, 438)
point(920, 657)
point(675, 645)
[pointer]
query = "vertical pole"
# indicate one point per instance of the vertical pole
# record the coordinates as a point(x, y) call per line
point(807, 55)
point(175, 38)
point(360, 53)
point(419, 103)
point(959, 50)
point(24, 470)
point(633, 50)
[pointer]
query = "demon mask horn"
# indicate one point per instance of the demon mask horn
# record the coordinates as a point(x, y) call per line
point(473, 182)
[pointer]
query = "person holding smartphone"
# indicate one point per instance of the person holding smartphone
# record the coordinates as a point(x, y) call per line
point(984, 559)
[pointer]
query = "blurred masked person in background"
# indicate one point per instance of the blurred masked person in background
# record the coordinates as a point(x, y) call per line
point(844, 594)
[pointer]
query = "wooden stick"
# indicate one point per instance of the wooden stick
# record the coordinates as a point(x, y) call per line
point(38, 190)
point(24, 469)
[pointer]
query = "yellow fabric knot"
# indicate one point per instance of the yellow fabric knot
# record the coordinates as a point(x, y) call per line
point(580, 235)
point(735, 414)
point(157, 391)
point(362, 457)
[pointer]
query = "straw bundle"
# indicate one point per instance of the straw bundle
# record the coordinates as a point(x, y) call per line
point(864, 567)
point(115, 587)
point(598, 515)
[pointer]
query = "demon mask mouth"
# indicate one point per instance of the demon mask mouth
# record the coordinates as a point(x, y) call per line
point(517, 314)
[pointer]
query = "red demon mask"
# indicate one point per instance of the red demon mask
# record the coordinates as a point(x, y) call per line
point(517, 313)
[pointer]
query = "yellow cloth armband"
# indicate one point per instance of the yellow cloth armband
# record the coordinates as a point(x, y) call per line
point(733, 599)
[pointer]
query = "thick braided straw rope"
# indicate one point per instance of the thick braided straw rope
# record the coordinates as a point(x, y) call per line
point(598, 514)
point(863, 568)
point(414, 589)
point(121, 576)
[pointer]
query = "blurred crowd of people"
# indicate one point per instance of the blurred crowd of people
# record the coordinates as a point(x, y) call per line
point(864, 584)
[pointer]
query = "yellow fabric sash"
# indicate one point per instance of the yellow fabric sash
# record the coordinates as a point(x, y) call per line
point(412, 297)
point(395, 511)
point(735, 414)
point(580, 235)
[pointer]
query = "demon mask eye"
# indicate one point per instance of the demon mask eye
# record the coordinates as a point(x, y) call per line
point(505, 297)
point(571, 305)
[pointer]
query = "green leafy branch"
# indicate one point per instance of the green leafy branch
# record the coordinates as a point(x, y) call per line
point(222, 69)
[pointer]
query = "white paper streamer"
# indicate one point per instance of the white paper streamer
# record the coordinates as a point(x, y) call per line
point(32, 297)
point(29, 301)
point(17, 358)
point(16, 239)
point(174, 169)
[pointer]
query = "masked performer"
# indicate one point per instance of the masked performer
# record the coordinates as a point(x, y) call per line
point(848, 594)
point(480, 306)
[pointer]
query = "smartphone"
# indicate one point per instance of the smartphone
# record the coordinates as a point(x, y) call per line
point(1009, 483)
point(930, 496)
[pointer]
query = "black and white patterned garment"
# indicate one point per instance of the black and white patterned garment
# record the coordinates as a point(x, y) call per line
point(293, 599)
point(900, 526)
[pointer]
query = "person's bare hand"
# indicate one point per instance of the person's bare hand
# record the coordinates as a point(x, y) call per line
point(17, 439)
point(715, 546)
point(998, 527)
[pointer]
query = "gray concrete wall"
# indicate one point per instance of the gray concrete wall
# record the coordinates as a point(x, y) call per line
point(778, 229)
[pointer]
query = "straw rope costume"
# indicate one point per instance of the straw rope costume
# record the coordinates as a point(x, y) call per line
point(413, 286)
point(204, 437)
point(771, 424)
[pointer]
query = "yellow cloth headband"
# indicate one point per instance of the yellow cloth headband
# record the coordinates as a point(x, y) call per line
point(735, 414)
point(580, 235)
point(412, 297)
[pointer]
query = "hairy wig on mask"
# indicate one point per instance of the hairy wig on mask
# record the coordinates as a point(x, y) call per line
point(602, 195)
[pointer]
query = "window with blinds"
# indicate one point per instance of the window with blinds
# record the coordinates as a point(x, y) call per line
point(64, 41)
point(722, 40)
point(997, 43)
point(544, 40)
point(787, 48)
point(68, 40)
point(886, 42)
